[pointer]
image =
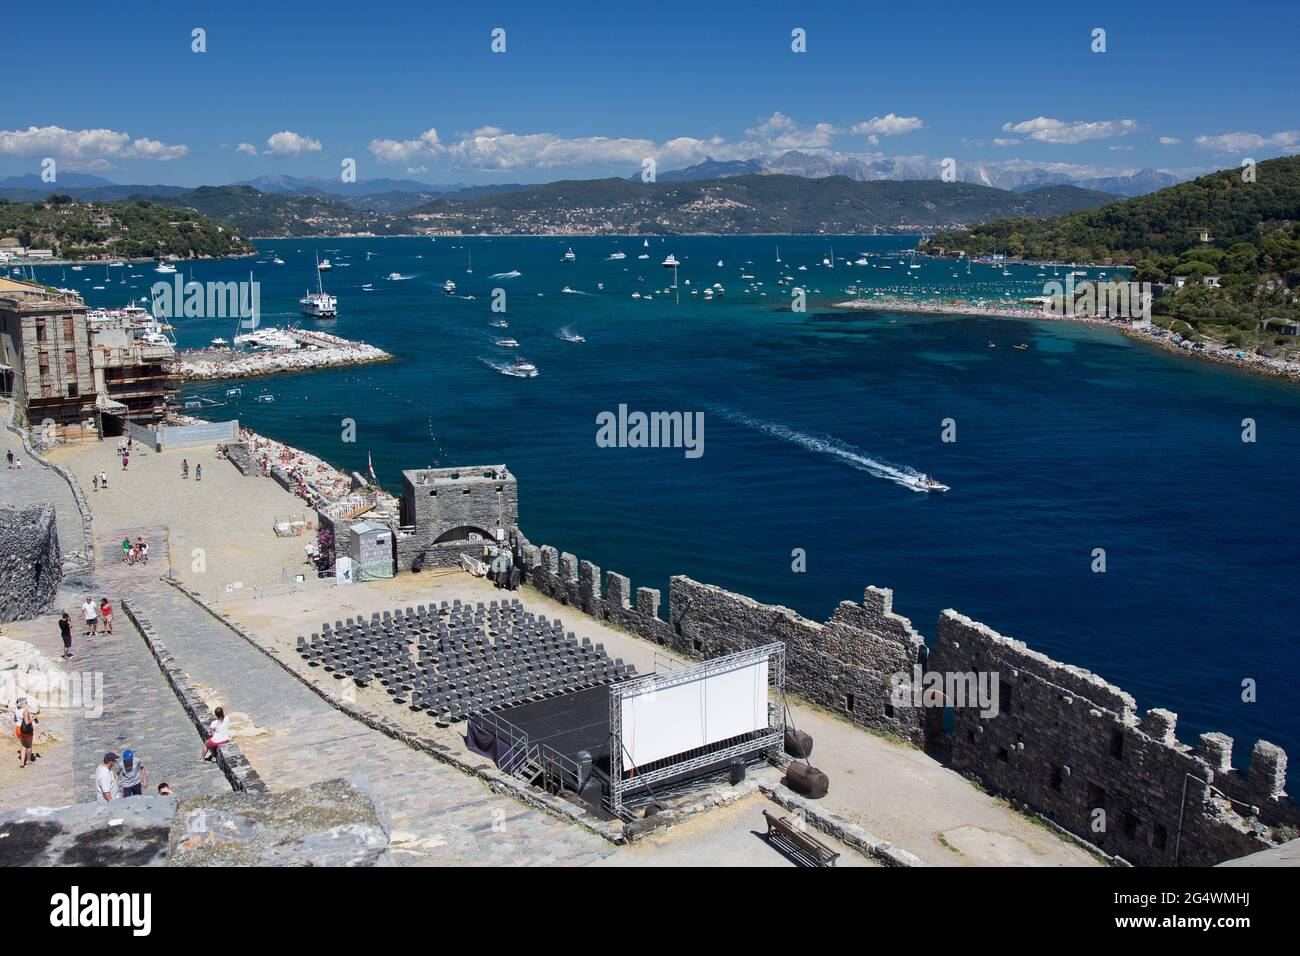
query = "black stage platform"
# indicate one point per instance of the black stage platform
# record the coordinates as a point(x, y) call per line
point(568, 724)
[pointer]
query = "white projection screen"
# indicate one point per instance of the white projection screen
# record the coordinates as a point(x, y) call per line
point(663, 722)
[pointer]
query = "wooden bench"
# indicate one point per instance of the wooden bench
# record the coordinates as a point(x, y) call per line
point(804, 847)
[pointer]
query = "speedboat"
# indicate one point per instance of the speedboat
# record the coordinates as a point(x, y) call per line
point(449, 288)
point(506, 343)
point(219, 343)
point(278, 261)
point(926, 483)
point(499, 323)
point(569, 256)
point(617, 255)
point(520, 369)
point(395, 277)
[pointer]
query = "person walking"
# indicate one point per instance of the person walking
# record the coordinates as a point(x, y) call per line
point(103, 481)
point(141, 550)
point(91, 617)
point(133, 778)
point(106, 615)
point(94, 481)
point(126, 550)
point(65, 631)
point(24, 730)
point(126, 459)
point(106, 787)
point(198, 472)
point(9, 454)
point(218, 735)
point(185, 468)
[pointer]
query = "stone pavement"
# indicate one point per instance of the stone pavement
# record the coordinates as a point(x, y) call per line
point(438, 815)
point(35, 484)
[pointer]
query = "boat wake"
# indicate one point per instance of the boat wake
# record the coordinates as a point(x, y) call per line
point(842, 451)
point(568, 335)
point(512, 274)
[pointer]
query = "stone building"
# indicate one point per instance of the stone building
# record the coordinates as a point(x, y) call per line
point(134, 372)
point(447, 511)
point(44, 351)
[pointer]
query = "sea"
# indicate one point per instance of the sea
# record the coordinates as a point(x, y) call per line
point(1103, 506)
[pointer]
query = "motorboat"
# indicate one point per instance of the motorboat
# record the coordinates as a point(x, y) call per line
point(927, 483)
point(165, 267)
point(506, 343)
point(219, 343)
point(569, 256)
point(449, 288)
point(618, 255)
point(671, 262)
point(319, 304)
point(324, 265)
point(520, 369)
point(395, 277)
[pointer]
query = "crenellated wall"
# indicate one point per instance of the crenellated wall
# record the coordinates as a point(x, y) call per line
point(843, 664)
point(1060, 740)
point(1073, 747)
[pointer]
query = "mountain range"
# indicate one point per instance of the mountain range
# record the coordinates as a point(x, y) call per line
point(1016, 177)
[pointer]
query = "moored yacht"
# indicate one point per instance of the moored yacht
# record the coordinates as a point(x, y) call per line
point(323, 265)
point(319, 304)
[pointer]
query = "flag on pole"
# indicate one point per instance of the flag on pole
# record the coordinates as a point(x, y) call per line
point(371, 465)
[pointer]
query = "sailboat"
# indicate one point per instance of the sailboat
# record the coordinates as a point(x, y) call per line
point(778, 253)
point(470, 266)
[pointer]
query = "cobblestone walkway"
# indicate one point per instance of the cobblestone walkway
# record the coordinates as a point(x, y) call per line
point(37, 485)
point(438, 815)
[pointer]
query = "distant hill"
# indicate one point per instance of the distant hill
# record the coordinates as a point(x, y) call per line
point(1247, 234)
point(119, 229)
point(1015, 177)
point(257, 213)
point(65, 180)
point(745, 204)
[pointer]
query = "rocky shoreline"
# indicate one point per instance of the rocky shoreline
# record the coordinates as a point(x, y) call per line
point(1151, 334)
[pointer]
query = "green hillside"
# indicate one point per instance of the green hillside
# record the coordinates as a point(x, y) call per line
point(140, 228)
point(1246, 233)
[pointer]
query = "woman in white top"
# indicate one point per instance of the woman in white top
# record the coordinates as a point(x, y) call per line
point(218, 734)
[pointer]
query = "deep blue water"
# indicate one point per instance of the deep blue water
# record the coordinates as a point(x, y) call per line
point(1085, 440)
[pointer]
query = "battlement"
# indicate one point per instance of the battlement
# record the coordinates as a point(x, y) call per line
point(1059, 740)
point(447, 511)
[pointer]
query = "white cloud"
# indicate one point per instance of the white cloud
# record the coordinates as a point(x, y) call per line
point(413, 170)
point(1047, 130)
point(288, 143)
point(248, 149)
point(888, 125)
point(1169, 141)
point(780, 132)
point(1120, 149)
point(1288, 141)
point(86, 148)
point(427, 146)
point(999, 141)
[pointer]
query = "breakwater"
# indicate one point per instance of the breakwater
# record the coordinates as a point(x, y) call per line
point(293, 350)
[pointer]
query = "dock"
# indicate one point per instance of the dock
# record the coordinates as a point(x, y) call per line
point(311, 350)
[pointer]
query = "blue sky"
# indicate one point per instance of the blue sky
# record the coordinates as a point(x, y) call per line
point(589, 89)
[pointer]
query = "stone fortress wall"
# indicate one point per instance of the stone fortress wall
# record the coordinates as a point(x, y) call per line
point(31, 562)
point(1064, 742)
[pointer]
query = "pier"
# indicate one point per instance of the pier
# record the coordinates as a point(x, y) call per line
point(304, 349)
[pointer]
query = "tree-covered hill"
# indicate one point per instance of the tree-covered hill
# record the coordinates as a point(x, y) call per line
point(1242, 229)
point(141, 228)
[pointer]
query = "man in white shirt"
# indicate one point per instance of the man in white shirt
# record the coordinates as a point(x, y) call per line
point(91, 614)
point(106, 780)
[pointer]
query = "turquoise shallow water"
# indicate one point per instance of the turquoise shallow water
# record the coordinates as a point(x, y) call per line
point(1085, 440)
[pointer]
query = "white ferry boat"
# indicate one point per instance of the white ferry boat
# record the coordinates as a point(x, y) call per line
point(319, 304)
point(520, 369)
